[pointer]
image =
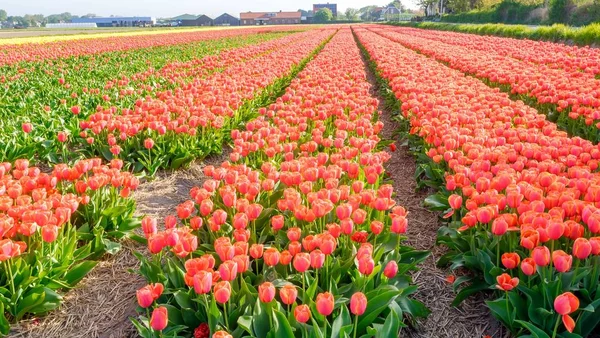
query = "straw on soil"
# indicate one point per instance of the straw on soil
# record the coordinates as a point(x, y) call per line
point(102, 303)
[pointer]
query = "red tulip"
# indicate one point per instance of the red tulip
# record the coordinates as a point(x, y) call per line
point(455, 201)
point(358, 303)
point(302, 261)
point(288, 294)
point(222, 292)
point(266, 292)
point(302, 313)
point(582, 248)
point(541, 256)
point(528, 266)
point(148, 143)
point(561, 260)
point(160, 318)
point(391, 269)
point(203, 282)
point(27, 127)
point(325, 303)
point(228, 270)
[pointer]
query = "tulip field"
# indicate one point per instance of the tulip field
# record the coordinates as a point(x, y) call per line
point(298, 231)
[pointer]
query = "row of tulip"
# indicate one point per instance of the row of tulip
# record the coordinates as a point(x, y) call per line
point(569, 97)
point(53, 226)
point(11, 54)
point(177, 126)
point(297, 235)
point(53, 96)
point(554, 55)
point(521, 197)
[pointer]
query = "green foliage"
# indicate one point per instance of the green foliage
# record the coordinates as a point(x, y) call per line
point(583, 36)
point(3, 15)
point(323, 15)
point(558, 11)
point(351, 14)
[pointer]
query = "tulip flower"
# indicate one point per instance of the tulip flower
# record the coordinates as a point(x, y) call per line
point(266, 292)
point(27, 127)
point(285, 258)
point(506, 283)
point(582, 248)
point(302, 313)
point(288, 294)
point(271, 256)
point(358, 303)
point(221, 334)
point(565, 304)
point(302, 262)
point(159, 319)
point(228, 270)
point(561, 260)
point(203, 282)
point(222, 292)
point(541, 256)
point(511, 260)
point(528, 266)
point(324, 303)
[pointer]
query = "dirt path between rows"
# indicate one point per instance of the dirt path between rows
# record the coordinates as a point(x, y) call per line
point(471, 319)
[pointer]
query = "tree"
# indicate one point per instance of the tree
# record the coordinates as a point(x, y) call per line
point(351, 14)
point(89, 15)
point(323, 15)
point(3, 15)
point(368, 13)
point(341, 16)
point(59, 18)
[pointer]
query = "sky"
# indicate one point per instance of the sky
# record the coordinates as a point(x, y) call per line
point(170, 8)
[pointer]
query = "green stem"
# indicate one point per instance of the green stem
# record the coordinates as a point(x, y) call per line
point(226, 315)
point(498, 254)
point(355, 325)
point(556, 327)
point(397, 248)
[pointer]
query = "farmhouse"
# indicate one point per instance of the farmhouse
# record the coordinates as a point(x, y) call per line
point(226, 20)
point(201, 20)
point(270, 18)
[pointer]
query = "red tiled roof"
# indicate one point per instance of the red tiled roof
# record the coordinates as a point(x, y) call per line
point(278, 15)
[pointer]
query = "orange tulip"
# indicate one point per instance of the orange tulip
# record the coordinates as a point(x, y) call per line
point(288, 294)
point(506, 283)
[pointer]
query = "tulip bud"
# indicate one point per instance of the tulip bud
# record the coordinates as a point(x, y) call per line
point(222, 292)
point(266, 292)
point(391, 269)
point(325, 303)
point(160, 318)
point(288, 294)
point(528, 266)
point(358, 303)
point(301, 261)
